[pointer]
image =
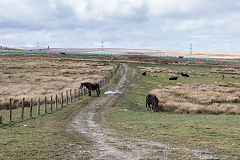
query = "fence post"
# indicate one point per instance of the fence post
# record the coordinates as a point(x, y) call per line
point(1, 119)
point(45, 105)
point(79, 93)
point(56, 100)
point(75, 96)
point(67, 96)
point(51, 104)
point(31, 108)
point(71, 95)
point(86, 91)
point(38, 106)
point(62, 100)
point(22, 115)
point(10, 109)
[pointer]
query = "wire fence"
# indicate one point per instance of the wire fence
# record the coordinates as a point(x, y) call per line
point(36, 107)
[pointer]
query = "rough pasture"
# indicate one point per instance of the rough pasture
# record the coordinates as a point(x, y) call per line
point(33, 76)
point(216, 98)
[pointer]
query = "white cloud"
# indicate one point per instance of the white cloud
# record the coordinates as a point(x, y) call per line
point(104, 9)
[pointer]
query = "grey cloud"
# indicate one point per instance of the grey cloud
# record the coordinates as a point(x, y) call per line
point(171, 24)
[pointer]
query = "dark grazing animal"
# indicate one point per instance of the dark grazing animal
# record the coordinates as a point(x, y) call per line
point(173, 78)
point(184, 75)
point(91, 87)
point(144, 73)
point(222, 76)
point(152, 100)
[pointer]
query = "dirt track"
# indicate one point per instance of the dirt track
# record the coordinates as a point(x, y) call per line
point(108, 144)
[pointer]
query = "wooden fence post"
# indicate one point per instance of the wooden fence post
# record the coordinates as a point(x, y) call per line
point(71, 95)
point(83, 91)
point(67, 96)
point(22, 115)
point(38, 106)
point(51, 104)
point(10, 110)
point(45, 105)
point(1, 119)
point(86, 91)
point(75, 96)
point(79, 93)
point(62, 100)
point(31, 108)
point(56, 102)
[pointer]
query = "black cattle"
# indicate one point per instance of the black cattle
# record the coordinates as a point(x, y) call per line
point(184, 75)
point(173, 78)
point(144, 73)
point(152, 100)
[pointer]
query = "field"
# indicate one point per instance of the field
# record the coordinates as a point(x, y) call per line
point(36, 76)
point(115, 51)
point(199, 112)
point(185, 125)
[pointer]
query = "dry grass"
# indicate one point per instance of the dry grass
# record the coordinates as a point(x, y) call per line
point(38, 76)
point(226, 71)
point(217, 98)
point(157, 70)
point(195, 54)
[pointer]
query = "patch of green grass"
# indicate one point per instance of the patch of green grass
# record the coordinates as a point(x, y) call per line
point(217, 133)
point(44, 137)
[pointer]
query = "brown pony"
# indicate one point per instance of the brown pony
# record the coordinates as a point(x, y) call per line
point(91, 87)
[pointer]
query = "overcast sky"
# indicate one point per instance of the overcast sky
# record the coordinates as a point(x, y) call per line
point(210, 25)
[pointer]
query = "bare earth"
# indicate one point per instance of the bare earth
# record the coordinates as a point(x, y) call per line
point(108, 144)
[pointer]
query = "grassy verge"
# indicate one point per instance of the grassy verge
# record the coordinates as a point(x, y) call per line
point(44, 137)
point(216, 133)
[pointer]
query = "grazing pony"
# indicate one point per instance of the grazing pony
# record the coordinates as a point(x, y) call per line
point(144, 73)
point(184, 75)
point(173, 78)
point(91, 87)
point(152, 100)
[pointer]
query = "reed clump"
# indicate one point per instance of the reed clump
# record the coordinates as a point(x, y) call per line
point(216, 98)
